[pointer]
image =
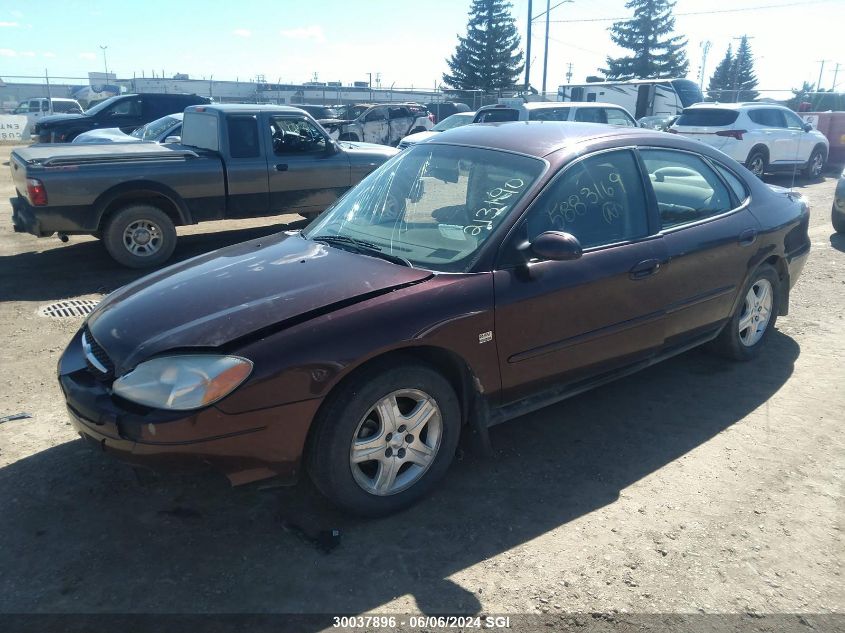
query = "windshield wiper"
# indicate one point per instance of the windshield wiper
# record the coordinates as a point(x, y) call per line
point(364, 247)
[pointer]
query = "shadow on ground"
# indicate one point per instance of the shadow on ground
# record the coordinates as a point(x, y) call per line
point(83, 267)
point(82, 534)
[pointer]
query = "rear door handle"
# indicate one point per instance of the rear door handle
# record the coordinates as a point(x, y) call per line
point(645, 268)
point(282, 167)
point(747, 237)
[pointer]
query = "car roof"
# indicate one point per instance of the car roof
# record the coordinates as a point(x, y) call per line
point(733, 106)
point(542, 105)
point(243, 107)
point(538, 138)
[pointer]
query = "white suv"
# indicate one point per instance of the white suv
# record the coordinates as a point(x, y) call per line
point(581, 111)
point(764, 137)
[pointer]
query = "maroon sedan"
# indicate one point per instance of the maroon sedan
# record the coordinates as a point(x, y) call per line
point(486, 273)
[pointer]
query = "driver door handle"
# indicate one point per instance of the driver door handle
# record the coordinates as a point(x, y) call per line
point(281, 167)
point(645, 268)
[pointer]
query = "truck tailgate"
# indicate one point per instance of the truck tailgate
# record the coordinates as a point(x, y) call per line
point(18, 168)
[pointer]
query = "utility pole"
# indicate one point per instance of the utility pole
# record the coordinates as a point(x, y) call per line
point(105, 63)
point(835, 75)
point(821, 70)
point(546, 48)
point(528, 48)
point(705, 48)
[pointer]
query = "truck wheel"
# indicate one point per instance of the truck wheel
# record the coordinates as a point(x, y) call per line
point(139, 236)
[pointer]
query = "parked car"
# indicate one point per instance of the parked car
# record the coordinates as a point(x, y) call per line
point(155, 131)
point(386, 123)
point(837, 213)
point(766, 138)
point(38, 108)
point(127, 112)
point(456, 120)
point(471, 279)
point(662, 122)
point(587, 112)
point(446, 109)
point(235, 161)
point(319, 112)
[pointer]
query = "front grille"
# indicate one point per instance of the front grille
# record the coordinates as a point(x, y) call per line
point(96, 356)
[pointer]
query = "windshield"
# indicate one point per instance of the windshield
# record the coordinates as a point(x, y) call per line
point(456, 120)
point(151, 131)
point(353, 112)
point(433, 205)
point(102, 105)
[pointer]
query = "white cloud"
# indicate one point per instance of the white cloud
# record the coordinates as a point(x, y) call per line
point(12, 25)
point(87, 56)
point(7, 52)
point(28, 54)
point(49, 54)
point(242, 32)
point(314, 32)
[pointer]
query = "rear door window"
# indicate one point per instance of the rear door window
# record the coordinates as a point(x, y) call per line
point(768, 117)
point(591, 115)
point(687, 190)
point(549, 114)
point(707, 117)
point(497, 115)
point(243, 136)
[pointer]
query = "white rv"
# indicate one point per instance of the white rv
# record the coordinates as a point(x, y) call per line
point(641, 97)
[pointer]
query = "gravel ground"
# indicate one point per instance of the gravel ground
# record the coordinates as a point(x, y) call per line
point(695, 486)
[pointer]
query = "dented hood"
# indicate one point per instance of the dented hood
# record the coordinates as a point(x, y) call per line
point(216, 298)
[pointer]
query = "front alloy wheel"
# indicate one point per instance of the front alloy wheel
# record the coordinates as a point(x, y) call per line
point(384, 436)
point(396, 442)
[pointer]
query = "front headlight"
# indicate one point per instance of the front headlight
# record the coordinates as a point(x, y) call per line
point(184, 382)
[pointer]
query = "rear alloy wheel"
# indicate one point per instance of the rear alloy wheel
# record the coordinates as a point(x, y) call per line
point(746, 332)
point(757, 163)
point(815, 165)
point(384, 438)
point(140, 236)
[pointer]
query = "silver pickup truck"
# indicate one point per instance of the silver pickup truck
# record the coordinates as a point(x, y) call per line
point(234, 161)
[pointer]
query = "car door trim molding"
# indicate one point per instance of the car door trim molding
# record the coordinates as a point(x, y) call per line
point(586, 337)
point(700, 298)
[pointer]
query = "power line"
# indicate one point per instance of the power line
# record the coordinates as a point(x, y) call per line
point(757, 8)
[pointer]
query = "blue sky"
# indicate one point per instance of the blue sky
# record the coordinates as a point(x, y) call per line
point(290, 40)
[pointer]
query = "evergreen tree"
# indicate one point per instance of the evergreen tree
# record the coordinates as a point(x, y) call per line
point(743, 79)
point(656, 53)
point(720, 82)
point(488, 58)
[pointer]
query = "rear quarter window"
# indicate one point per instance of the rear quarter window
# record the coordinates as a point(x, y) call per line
point(707, 118)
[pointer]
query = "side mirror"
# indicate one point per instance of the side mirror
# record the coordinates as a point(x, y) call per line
point(808, 127)
point(173, 139)
point(556, 246)
point(331, 147)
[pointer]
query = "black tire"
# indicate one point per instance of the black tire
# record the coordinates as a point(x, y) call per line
point(730, 343)
point(815, 165)
point(837, 218)
point(159, 248)
point(757, 162)
point(343, 417)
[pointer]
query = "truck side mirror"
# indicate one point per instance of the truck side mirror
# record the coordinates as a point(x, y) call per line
point(173, 139)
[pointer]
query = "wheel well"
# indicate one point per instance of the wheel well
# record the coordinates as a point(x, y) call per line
point(822, 147)
point(151, 198)
point(783, 276)
point(451, 366)
point(760, 148)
